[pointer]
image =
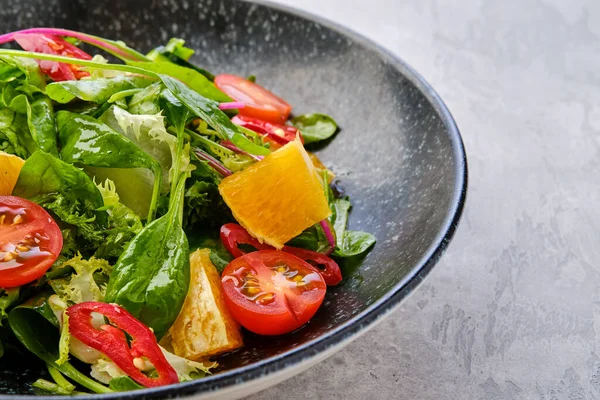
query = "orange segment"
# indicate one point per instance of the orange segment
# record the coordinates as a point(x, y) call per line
point(279, 197)
point(321, 167)
point(10, 168)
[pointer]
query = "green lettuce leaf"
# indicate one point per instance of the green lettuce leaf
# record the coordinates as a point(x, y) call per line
point(95, 90)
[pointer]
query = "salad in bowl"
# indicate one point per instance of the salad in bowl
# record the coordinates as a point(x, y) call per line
point(152, 213)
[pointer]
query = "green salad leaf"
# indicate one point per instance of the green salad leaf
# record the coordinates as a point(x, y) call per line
point(152, 275)
point(209, 111)
point(315, 127)
point(348, 243)
point(191, 77)
point(66, 191)
point(97, 90)
point(86, 141)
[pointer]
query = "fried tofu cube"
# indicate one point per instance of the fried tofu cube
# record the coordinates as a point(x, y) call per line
point(204, 326)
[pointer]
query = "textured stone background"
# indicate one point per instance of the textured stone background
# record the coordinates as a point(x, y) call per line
point(513, 309)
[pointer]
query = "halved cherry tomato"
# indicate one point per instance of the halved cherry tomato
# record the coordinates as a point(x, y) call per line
point(278, 133)
point(52, 44)
point(271, 292)
point(234, 235)
point(258, 101)
point(30, 241)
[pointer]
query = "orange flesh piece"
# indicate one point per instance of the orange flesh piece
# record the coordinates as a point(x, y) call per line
point(279, 197)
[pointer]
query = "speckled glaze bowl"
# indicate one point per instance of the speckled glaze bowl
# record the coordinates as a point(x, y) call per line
point(399, 156)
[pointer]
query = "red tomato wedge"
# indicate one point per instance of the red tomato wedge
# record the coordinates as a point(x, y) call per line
point(30, 241)
point(271, 292)
point(258, 101)
point(278, 133)
point(234, 235)
point(52, 44)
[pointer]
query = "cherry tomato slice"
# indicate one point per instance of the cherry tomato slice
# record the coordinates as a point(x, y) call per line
point(30, 241)
point(52, 44)
point(278, 133)
point(271, 292)
point(258, 101)
point(234, 235)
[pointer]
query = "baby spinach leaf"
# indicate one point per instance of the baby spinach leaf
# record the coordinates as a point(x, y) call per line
point(340, 209)
point(96, 90)
point(152, 275)
point(315, 127)
point(191, 77)
point(40, 115)
point(40, 120)
point(209, 111)
point(87, 141)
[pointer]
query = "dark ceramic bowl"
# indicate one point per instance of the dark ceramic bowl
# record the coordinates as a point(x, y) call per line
point(399, 156)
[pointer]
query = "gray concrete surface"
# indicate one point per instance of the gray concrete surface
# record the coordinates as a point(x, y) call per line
point(513, 309)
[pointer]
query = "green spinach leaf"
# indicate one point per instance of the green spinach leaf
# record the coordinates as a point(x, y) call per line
point(151, 277)
point(315, 127)
point(14, 133)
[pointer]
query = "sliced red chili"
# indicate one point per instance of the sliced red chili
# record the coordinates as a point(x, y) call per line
point(111, 340)
point(234, 235)
point(279, 133)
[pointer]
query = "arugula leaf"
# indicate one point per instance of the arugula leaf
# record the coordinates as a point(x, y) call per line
point(209, 111)
point(340, 209)
point(89, 142)
point(65, 190)
point(96, 90)
point(191, 77)
point(355, 243)
point(348, 243)
point(315, 127)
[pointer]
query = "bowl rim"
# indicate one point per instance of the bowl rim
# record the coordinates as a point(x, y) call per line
point(349, 330)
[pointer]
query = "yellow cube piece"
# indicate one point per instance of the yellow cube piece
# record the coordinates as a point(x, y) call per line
point(278, 197)
point(10, 168)
point(204, 326)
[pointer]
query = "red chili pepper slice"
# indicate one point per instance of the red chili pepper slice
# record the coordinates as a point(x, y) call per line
point(234, 235)
point(279, 133)
point(111, 340)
